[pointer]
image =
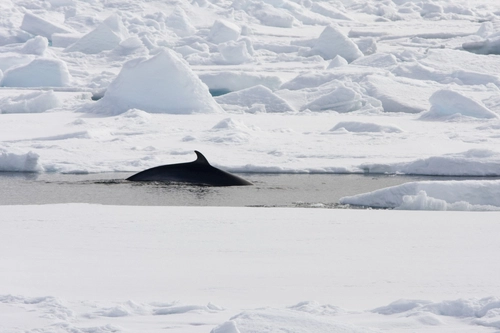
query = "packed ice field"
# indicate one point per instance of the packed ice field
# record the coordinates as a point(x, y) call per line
point(273, 86)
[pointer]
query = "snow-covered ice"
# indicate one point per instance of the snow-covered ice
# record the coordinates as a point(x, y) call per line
point(81, 267)
point(287, 86)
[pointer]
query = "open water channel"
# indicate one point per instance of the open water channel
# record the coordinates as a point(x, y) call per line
point(269, 190)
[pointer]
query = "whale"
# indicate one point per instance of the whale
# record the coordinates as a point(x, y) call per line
point(198, 172)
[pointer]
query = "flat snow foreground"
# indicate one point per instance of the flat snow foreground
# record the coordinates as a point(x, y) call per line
point(95, 268)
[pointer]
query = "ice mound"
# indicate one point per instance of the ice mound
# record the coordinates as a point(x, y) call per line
point(433, 195)
point(332, 11)
point(316, 308)
point(30, 103)
point(380, 60)
point(37, 46)
point(38, 73)
point(487, 46)
point(229, 131)
point(284, 320)
point(163, 83)
point(490, 31)
point(256, 95)
point(333, 42)
point(234, 53)
point(14, 59)
point(180, 23)
point(421, 201)
point(13, 162)
point(341, 99)
point(360, 127)
point(400, 306)
point(399, 94)
point(39, 27)
point(474, 162)
point(338, 61)
point(108, 35)
point(223, 31)
point(232, 124)
point(446, 104)
point(224, 82)
point(273, 17)
point(484, 311)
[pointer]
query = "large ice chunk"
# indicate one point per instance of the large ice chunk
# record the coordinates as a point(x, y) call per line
point(39, 27)
point(333, 42)
point(38, 73)
point(108, 35)
point(35, 102)
point(256, 95)
point(163, 83)
point(180, 23)
point(223, 31)
point(448, 103)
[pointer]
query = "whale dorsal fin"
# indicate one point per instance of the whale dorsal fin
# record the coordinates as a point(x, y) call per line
point(200, 158)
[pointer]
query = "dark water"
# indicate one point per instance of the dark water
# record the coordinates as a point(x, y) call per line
point(269, 190)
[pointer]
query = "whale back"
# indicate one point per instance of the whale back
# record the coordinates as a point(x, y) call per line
point(198, 172)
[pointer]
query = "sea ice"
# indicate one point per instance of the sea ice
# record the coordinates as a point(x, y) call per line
point(163, 83)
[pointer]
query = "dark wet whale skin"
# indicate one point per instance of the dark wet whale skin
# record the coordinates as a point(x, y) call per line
point(198, 172)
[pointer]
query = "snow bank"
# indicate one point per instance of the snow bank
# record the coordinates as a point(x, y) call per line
point(30, 103)
point(284, 320)
point(482, 312)
point(38, 26)
point(333, 42)
point(40, 72)
point(360, 127)
point(108, 35)
point(474, 162)
point(433, 195)
point(163, 83)
point(13, 162)
point(446, 104)
point(256, 95)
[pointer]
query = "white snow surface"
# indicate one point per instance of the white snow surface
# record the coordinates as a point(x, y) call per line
point(351, 86)
point(96, 268)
